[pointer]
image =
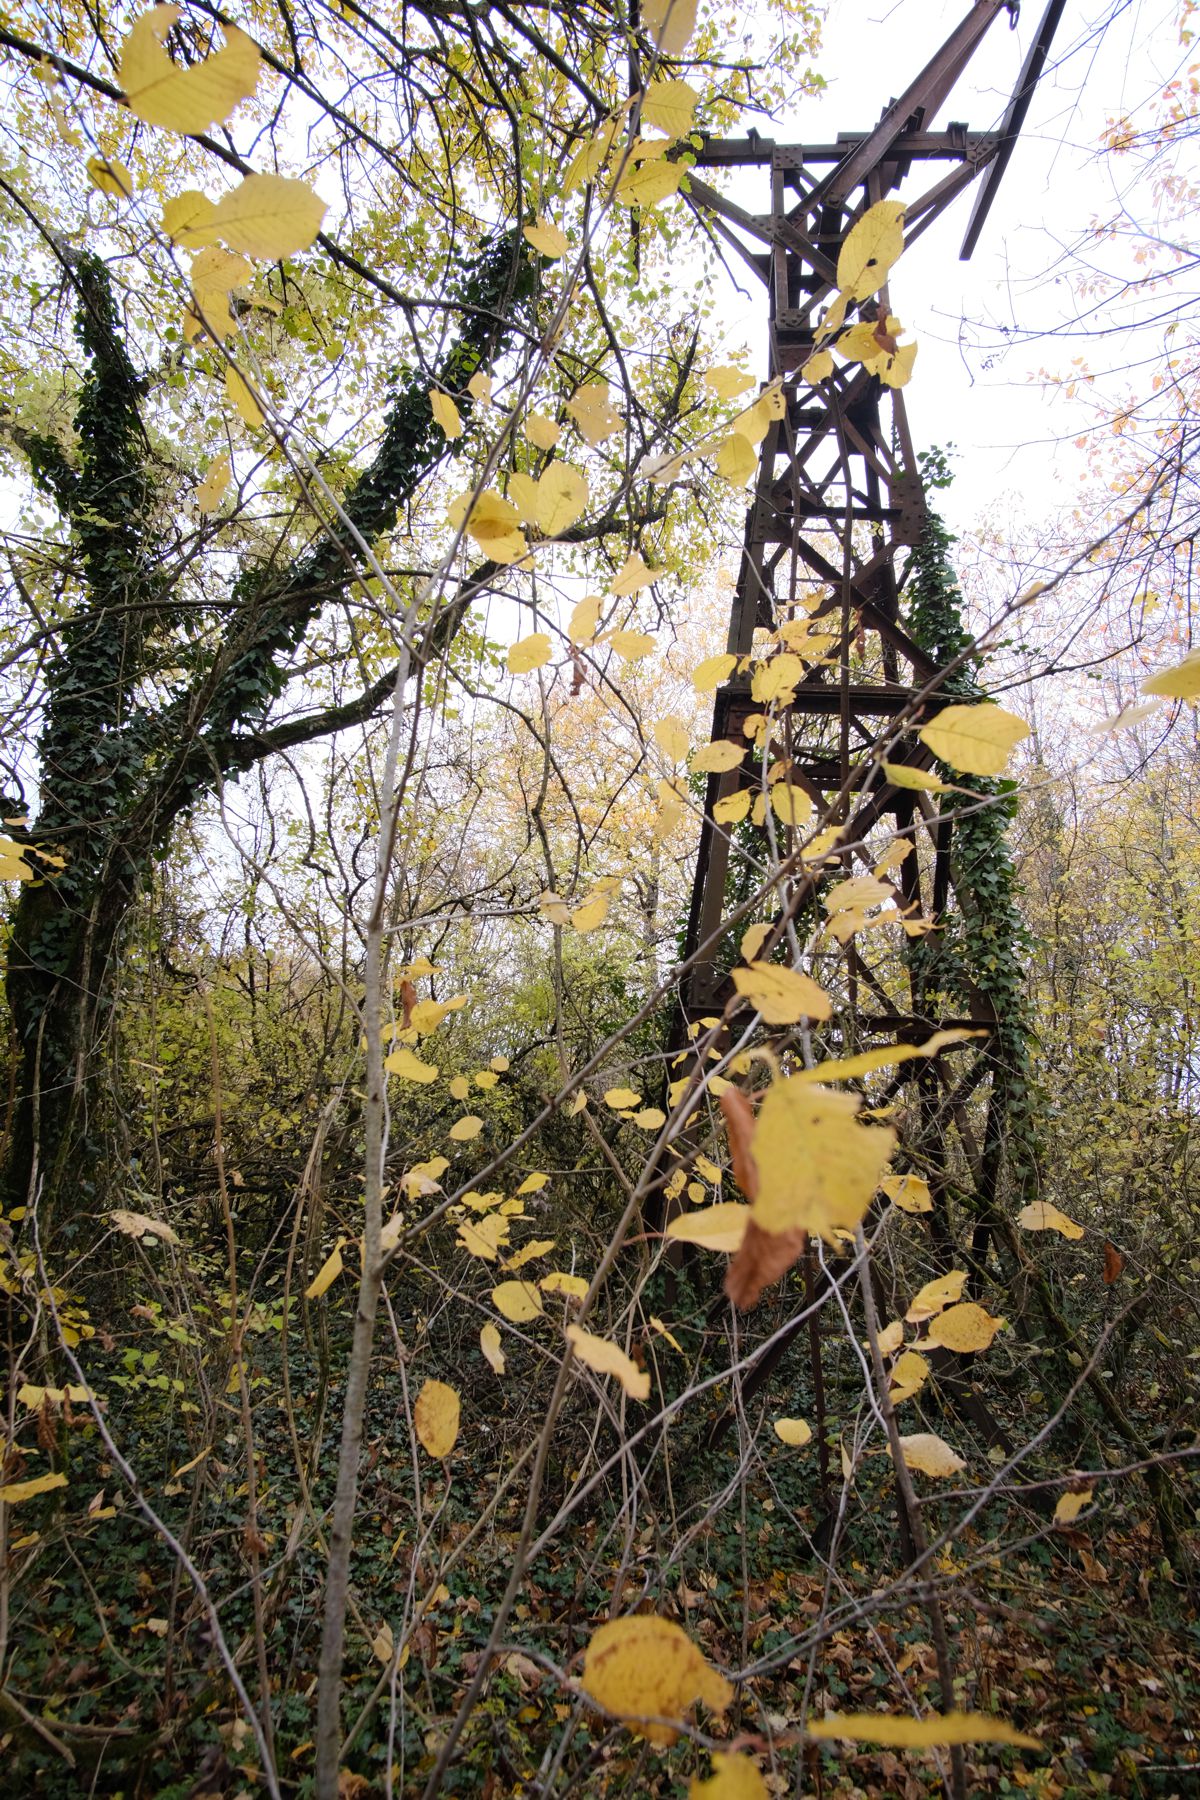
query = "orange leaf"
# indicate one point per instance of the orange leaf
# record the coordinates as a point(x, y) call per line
point(739, 1128)
point(762, 1259)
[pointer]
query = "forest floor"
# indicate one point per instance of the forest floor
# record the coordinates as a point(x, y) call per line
point(1081, 1635)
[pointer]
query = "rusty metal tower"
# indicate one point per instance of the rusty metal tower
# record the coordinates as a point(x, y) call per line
point(838, 503)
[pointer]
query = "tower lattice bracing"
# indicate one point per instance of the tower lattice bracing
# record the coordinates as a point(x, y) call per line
point(838, 504)
point(828, 568)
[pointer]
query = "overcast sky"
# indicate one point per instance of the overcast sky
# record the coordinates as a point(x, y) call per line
point(971, 386)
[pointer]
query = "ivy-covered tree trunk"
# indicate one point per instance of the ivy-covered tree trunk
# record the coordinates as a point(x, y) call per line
point(122, 753)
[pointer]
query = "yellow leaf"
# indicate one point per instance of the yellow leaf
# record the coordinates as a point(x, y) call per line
point(517, 1301)
point(754, 938)
point(1180, 682)
point(734, 1777)
point(718, 757)
point(909, 1192)
point(650, 183)
point(383, 1644)
point(631, 646)
point(530, 653)
point(920, 1734)
point(445, 413)
point(493, 523)
point(530, 1252)
point(818, 1166)
point(489, 1343)
point(935, 1295)
point(460, 1087)
point(871, 246)
point(782, 996)
point(16, 1491)
point(242, 397)
point(643, 1667)
point(427, 1015)
point(557, 1283)
point(861, 890)
point(894, 367)
point(670, 106)
point(211, 490)
point(13, 864)
point(587, 162)
point(267, 216)
point(621, 1099)
point(189, 213)
point(137, 1225)
point(727, 382)
point(795, 1432)
point(435, 1417)
point(1039, 1215)
point(592, 913)
point(541, 432)
point(733, 808)
point(480, 388)
point(964, 1328)
point(903, 775)
point(184, 99)
point(651, 1118)
point(818, 368)
point(752, 424)
point(110, 176)
point(585, 617)
point(790, 804)
point(713, 1228)
point(777, 679)
point(609, 1359)
point(407, 1066)
point(671, 736)
point(891, 1338)
point(466, 1128)
point(909, 1376)
point(670, 23)
point(485, 1238)
point(593, 412)
point(327, 1274)
point(925, 1451)
point(978, 740)
point(868, 1060)
point(1070, 1505)
point(547, 239)
point(562, 495)
point(709, 674)
point(532, 1184)
point(633, 575)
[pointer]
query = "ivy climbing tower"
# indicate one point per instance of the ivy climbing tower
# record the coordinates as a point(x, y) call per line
point(844, 628)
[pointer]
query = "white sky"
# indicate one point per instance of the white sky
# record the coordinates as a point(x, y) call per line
point(969, 388)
